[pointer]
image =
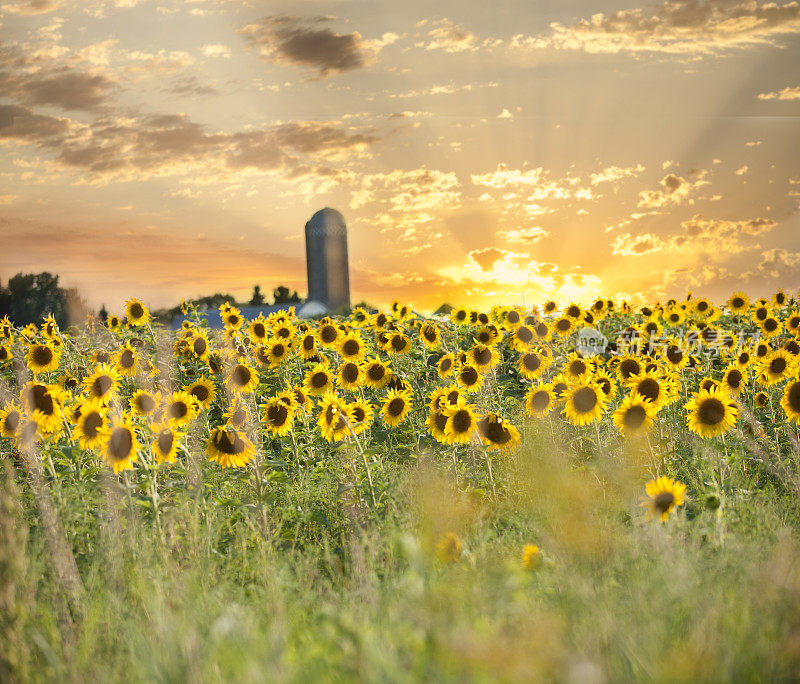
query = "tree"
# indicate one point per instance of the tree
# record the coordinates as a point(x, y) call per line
point(30, 297)
point(282, 296)
point(258, 298)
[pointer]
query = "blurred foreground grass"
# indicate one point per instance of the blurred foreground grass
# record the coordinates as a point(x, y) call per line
point(302, 579)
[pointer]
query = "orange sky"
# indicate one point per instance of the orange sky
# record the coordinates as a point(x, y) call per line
point(490, 152)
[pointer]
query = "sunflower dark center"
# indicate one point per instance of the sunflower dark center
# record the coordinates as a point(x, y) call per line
point(540, 400)
point(793, 396)
point(145, 403)
point(42, 355)
point(762, 313)
point(649, 388)
point(396, 406)
point(259, 330)
point(233, 319)
point(91, 424)
point(482, 356)
point(398, 342)
point(445, 365)
point(101, 385)
point(734, 378)
point(165, 439)
point(430, 334)
point(136, 310)
point(777, 365)
point(461, 421)
point(376, 372)
point(278, 350)
point(120, 444)
point(629, 367)
point(577, 367)
point(737, 302)
point(359, 414)
point(634, 417)
point(350, 372)
point(531, 361)
point(126, 359)
point(328, 334)
point(200, 392)
point(319, 379)
point(199, 346)
point(584, 400)
point(229, 442)
point(663, 501)
point(440, 421)
point(494, 431)
point(469, 375)
point(513, 317)
point(11, 421)
point(524, 334)
point(351, 347)
point(771, 324)
point(277, 414)
point(563, 324)
point(241, 375)
point(573, 311)
point(711, 412)
point(39, 399)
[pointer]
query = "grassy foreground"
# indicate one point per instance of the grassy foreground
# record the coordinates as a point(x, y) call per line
point(301, 578)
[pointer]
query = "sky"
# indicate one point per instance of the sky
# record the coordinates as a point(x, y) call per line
point(481, 153)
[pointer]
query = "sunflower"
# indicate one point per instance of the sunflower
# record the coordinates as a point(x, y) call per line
point(792, 322)
point(664, 496)
point(197, 344)
point(430, 335)
point(739, 302)
point(181, 409)
point(462, 421)
point(120, 448)
point(481, 356)
point(301, 399)
point(489, 335)
point(733, 379)
point(308, 345)
point(350, 375)
point(10, 420)
point(361, 413)
point(760, 313)
point(237, 414)
point(89, 429)
point(399, 343)
point(334, 417)
point(45, 405)
point(459, 316)
point(136, 313)
point(585, 402)
point(242, 379)
point(359, 317)
point(533, 363)
point(143, 403)
point(396, 407)
point(102, 383)
point(606, 382)
point(649, 386)
point(351, 347)
point(258, 329)
point(436, 423)
point(5, 353)
point(125, 360)
point(278, 417)
point(277, 351)
point(761, 399)
point(564, 326)
point(779, 299)
point(6, 329)
point(776, 367)
point(202, 391)
point(376, 373)
point(229, 447)
point(448, 548)
point(711, 412)
point(577, 368)
point(318, 380)
point(634, 415)
point(328, 334)
point(703, 307)
point(42, 358)
point(522, 337)
point(232, 319)
point(498, 433)
point(539, 401)
point(166, 442)
point(469, 377)
point(790, 401)
point(771, 326)
point(627, 367)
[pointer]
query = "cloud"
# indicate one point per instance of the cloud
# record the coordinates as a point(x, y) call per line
point(523, 235)
point(741, 170)
point(413, 190)
point(778, 261)
point(614, 173)
point(216, 50)
point(642, 244)
point(172, 144)
point(681, 27)
point(308, 42)
point(488, 257)
point(505, 114)
point(30, 6)
point(675, 190)
point(448, 37)
point(788, 93)
point(36, 80)
point(189, 85)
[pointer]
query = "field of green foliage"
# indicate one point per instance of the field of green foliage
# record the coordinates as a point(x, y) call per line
point(557, 493)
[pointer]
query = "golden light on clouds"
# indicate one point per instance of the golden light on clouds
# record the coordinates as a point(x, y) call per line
point(172, 149)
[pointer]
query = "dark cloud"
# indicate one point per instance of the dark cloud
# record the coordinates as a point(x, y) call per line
point(165, 144)
point(49, 84)
point(189, 85)
point(486, 258)
point(306, 42)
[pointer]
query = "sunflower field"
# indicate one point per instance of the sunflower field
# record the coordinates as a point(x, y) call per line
point(559, 492)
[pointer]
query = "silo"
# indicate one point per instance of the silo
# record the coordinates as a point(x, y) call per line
point(326, 259)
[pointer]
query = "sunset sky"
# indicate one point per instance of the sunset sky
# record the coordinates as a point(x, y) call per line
point(490, 152)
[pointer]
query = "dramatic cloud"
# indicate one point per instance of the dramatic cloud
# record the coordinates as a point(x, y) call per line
point(34, 79)
point(308, 42)
point(488, 257)
point(683, 27)
point(123, 149)
point(788, 93)
point(778, 261)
